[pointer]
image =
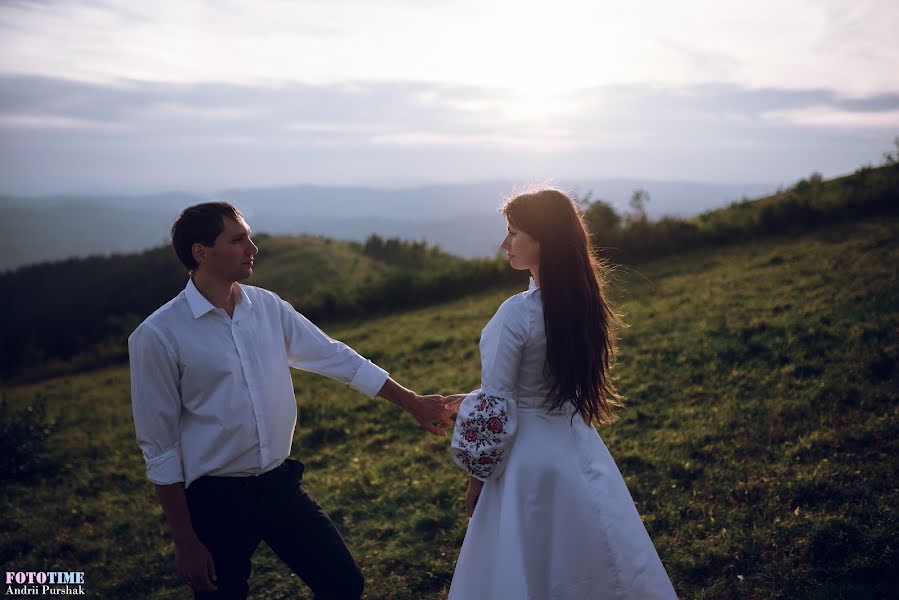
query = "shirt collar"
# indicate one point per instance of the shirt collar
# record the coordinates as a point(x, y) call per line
point(199, 305)
point(532, 285)
point(243, 304)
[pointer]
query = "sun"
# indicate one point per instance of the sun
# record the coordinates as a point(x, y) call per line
point(539, 58)
point(537, 106)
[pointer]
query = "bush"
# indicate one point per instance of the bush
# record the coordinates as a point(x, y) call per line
point(24, 436)
point(810, 202)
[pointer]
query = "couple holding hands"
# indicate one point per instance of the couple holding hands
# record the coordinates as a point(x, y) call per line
point(215, 411)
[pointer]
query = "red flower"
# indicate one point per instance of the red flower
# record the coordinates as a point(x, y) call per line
point(470, 435)
point(494, 425)
point(485, 460)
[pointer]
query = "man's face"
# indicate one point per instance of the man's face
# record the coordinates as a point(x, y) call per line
point(230, 258)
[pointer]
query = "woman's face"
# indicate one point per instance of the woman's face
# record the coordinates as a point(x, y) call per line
point(523, 250)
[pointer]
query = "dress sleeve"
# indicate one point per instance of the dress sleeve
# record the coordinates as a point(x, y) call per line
point(488, 417)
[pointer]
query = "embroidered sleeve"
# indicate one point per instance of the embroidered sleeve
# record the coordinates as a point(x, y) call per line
point(484, 431)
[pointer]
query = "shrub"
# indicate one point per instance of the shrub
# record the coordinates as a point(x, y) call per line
point(24, 436)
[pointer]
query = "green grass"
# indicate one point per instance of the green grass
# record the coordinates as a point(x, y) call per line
point(759, 441)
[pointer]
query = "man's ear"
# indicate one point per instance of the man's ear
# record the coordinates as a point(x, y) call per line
point(198, 251)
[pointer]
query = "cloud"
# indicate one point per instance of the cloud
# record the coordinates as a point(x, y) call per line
point(53, 122)
point(830, 117)
point(508, 44)
point(58, 135)
point(548, 142)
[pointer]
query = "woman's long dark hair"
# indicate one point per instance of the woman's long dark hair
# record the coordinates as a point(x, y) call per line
point(580, 336)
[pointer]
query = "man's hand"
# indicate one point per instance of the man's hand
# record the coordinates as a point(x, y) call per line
point(192, 558)
point(196, 565)
point(472, 495)
point(430, 412)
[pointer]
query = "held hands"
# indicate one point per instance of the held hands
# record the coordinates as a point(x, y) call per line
point(453, 402)
point(431, 412)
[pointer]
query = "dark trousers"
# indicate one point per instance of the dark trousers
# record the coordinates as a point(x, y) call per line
point(231, 515)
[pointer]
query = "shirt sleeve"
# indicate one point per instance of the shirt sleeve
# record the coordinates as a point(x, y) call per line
point(488, 417)
point(156, 404)
point(310, 349)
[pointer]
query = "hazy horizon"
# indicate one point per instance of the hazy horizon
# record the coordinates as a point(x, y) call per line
point(463, 219)
point(99, 193)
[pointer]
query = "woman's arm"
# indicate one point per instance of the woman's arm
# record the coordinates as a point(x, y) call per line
point(487, 423)
point(472, 495)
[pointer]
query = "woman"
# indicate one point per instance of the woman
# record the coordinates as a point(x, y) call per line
point(551, 516)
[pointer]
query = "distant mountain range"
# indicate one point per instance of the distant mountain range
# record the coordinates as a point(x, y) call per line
point(463, 218)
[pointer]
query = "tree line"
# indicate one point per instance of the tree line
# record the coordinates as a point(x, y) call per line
point(77, 313)
point(633, 237)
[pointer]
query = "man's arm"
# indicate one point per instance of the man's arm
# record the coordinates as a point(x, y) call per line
point(156, 407)
point(310, 349)
point(192, 558)
point(430, 411)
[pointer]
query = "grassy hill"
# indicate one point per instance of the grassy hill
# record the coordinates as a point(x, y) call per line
point(76, 314)
point(759, 441)
point(812, 199)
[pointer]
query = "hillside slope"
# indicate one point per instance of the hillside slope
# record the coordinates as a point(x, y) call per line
point(77, 313)
point(759, 441)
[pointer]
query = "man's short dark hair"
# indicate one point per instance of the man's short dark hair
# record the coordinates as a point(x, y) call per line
point(201, 223)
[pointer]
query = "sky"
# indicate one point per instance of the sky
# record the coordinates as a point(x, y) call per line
point(138, 96)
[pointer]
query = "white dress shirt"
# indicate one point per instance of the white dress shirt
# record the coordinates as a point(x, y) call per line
point(212, 394)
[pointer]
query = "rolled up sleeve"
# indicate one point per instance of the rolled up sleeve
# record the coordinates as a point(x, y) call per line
point(156, 404)
point(310, 349)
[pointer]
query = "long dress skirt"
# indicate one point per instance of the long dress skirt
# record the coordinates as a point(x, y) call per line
point(558, 524)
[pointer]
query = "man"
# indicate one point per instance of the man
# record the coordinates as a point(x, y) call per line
point(215, 411)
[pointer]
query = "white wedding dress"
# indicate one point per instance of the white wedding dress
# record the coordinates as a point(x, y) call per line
point(554, 520)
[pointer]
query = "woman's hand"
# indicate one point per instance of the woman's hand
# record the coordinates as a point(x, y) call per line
point(452, 402)
point(472, 495)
